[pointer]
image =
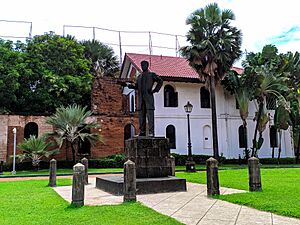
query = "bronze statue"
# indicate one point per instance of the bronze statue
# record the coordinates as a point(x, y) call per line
point(144, 85)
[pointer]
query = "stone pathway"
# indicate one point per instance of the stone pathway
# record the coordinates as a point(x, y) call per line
point(191, 207)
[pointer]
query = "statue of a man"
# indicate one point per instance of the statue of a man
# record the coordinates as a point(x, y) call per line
point(144, 85)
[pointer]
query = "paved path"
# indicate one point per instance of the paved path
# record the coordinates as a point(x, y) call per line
point(191, 207)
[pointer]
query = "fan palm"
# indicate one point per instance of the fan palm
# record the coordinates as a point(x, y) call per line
point(104, 60)
point(70, 125)
point(215, 45)
point(35, 148)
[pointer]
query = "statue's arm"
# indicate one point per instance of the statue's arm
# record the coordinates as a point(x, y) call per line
point(159, 83)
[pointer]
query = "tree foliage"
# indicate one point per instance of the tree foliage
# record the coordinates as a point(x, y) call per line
point(215, 45)
point(35, 148)
point(42, 74)
point(104, 60)
point(70, 126)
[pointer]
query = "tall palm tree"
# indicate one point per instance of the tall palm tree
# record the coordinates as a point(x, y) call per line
point(70, 125)
point(35, 148)
point(215, 45)
point(237, 86)
point(104, 60)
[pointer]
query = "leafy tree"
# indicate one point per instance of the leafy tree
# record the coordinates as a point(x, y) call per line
point(70, 125)
point(35, 148)
point(104, 60)
point(11, 67)
point(57, 73)
point(265, 69)
point(215, 45)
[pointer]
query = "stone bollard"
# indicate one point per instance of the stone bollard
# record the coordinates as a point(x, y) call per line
point(85, 162)
point(212, 177)
point(52, 173)
point(1, 167)
point(172, 162)
point(254, 174)
point(129, 181)
point(78, 185)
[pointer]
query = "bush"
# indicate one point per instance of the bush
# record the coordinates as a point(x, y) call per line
point(199, 159)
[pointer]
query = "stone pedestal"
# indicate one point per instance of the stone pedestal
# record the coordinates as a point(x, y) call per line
point(254, 174)
point(78, 185)
point(154, 168)
point(212, 177)
point(52, 173)
point(151, 156)
point(129, 185)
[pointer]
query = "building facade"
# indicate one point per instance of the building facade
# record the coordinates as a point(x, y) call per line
point(181, 84)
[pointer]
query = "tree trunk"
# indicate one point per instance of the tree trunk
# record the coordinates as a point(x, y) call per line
point(246, 140)
point(260, 109)
point(273, 149)
point(73, 153)
point(214, 117)
point(279, 148)
point(298, 147)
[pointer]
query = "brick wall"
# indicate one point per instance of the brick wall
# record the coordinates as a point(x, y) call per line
point(110, 107)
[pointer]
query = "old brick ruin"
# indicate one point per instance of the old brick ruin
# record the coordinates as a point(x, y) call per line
point(110, 109)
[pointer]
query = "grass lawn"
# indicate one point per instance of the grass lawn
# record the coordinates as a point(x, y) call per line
point(60, 171)
point(109, 170)
point(280, 189)
point(32, 202)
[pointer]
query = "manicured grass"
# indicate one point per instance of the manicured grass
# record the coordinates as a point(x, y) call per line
point(32, 202)
point(60, 171)
point(280, 189)
point(112, 170)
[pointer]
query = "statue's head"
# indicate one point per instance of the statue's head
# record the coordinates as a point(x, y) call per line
point(144, 65)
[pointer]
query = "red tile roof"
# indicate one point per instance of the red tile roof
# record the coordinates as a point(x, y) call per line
point(167, 66)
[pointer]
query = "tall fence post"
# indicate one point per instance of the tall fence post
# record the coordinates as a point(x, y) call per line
point(78, 185)
point(129, 181)
point(254, 174)
point(52, 173)
point(212, 177)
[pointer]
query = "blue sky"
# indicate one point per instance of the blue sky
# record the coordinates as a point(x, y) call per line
point(262, 22)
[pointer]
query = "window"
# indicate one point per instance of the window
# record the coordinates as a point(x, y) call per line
point(132, 102)
point(171, 135)
point(242, 137)
point(273, 137)
point(129, 132)
point(170, 97)
point(271, 102)
point(31, 128)
point(204, 98)
point(84, 147)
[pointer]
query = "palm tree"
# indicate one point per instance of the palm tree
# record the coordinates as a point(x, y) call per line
point(264, 69)
point(35, 148)
point(281, 122)
point(70, 125)
point(237, 86)
point(215, 45)
point(104, 60)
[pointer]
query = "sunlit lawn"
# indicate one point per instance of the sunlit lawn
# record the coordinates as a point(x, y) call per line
point(280, 189)
point(32, 202)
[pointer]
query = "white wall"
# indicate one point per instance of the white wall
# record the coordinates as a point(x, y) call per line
point(228, 123)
